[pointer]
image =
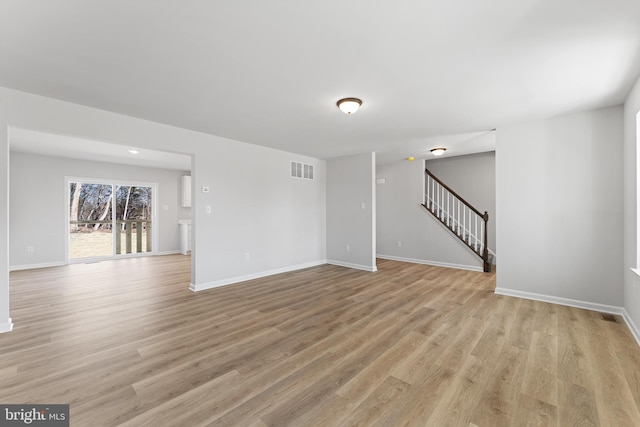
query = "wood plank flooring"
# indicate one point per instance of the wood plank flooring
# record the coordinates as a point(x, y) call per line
point(126, 343)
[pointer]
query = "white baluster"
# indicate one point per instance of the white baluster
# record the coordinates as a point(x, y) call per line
point(426, 190)
point(453, 213)
point(458, 217)
point(426, 202)
point(435, 195)
point(476, 233)
point(464, 220)
point(445, 194)
point(432, 194)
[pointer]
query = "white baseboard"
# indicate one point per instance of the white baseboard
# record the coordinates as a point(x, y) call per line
point(631, 325)
point(603, 308)
point(434, 263)
point(86, 260)
point(238, 279)
point(611, 309)
point(355, 266)
point(175, 252)
point(6, 326)
point(33, 266)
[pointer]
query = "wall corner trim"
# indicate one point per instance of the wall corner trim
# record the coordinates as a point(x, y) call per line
point(6, 327)
point(433, 263)
point(355, 266)
point(238, 279)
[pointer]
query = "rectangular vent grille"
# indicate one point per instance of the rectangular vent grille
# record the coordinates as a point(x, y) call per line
point(301, 170)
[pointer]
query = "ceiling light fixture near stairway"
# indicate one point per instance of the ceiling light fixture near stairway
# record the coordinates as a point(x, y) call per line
point(349, 105)
point(438, 151)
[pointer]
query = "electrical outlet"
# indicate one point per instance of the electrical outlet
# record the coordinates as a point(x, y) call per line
point(347, 248)
point(363, 205)
point(208, 209)
point(399, 244)
point(30, 249)
point(247, 256)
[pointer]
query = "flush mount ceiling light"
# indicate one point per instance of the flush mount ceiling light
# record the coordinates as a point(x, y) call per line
point(349, 105)
point(438, 151)
point(134, 151)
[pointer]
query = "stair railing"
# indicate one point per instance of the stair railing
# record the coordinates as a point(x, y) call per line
point(458, 215)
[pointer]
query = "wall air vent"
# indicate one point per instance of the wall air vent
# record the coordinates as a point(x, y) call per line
point(301, 170)
point(308, 172)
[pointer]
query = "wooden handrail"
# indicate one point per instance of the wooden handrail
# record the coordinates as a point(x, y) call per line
point(436, 206)
point(435, 178)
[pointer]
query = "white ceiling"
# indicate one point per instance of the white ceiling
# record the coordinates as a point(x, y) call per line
point(28, 141)
point(270, 72)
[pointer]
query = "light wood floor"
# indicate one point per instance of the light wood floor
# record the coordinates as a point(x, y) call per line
point(125, 342)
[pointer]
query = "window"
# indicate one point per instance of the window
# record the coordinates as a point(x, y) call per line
point(109, 219)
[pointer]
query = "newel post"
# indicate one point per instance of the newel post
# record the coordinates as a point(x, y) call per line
point(485, 252)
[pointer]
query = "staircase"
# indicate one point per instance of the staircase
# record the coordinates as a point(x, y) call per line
point(466, 222)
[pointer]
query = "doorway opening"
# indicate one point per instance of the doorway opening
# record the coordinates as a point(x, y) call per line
point(109, 219)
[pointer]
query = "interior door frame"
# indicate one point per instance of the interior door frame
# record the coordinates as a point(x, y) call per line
point(113, 182)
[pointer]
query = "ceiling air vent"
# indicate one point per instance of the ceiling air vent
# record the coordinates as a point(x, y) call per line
point(301, 170)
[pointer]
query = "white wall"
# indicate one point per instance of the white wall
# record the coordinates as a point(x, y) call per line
point(256, 207)
point(37, 185)
point(631, 141)
point(559, 208)
point(259, 210)
point(5, 320)
point(351, 211)
point(474, 178)
point(401, 218)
